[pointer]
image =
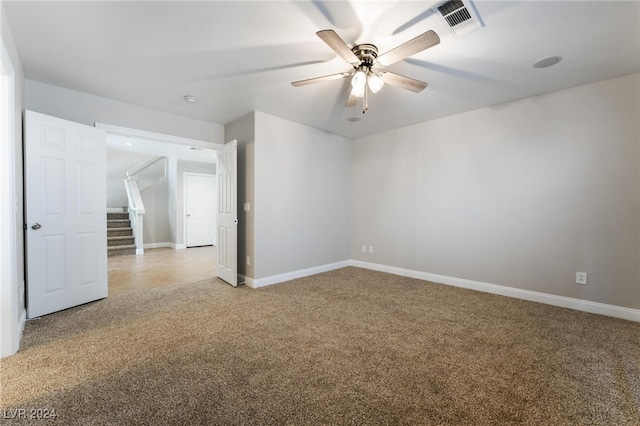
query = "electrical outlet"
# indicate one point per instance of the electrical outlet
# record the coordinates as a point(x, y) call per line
point(370, 249)
point(364, 249)
point(581, 278)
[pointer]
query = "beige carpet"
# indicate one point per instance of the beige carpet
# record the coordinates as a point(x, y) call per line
point(348, 347)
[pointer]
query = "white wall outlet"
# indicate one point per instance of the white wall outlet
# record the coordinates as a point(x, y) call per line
point(364, 249)
point(370, 249)
point(581, 278)
point(248, 260)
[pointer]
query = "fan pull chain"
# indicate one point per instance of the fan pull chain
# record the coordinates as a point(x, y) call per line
point(365, 100)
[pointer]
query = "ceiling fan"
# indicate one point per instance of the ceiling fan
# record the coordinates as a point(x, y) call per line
point(368, 68)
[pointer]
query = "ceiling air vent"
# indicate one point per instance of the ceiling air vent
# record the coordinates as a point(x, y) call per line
point(461, 16)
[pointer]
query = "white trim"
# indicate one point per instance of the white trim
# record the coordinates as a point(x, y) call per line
point(143, 134)
point(288, 276)
point(534, 296)
point(156, 245)
point(248, 281)
point(243, 279)
point(22, 322)
point(11, 313)
point(163, 245)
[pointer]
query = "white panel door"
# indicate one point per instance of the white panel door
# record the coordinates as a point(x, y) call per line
point(228, 213)
point(201, 214)
point(65, 197)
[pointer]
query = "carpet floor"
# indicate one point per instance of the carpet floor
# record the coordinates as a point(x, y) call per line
point(346, 347)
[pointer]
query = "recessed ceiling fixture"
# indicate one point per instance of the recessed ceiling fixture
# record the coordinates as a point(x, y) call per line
point(367, 74)
point(190, 99)
point(129, 143)
point(195, 148)
point(547, 62)
point(353, 119)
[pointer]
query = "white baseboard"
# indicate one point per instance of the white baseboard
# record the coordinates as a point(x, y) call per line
point(22, 321)
point(534, 296)
point(248, 281)
point(275, 279)
point(163, 245)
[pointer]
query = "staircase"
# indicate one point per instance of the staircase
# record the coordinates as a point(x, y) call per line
point(120, 239)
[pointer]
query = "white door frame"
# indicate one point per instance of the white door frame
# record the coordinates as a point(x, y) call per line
point(184, 203)
point(12, 315)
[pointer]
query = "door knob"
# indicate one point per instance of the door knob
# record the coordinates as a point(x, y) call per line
point(36, 226)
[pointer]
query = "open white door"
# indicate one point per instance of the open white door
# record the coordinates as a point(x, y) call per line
point(65, 193)
point(228, 213)
point(201, 213)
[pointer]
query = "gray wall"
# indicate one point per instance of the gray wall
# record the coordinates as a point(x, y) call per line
point(243, 130)
point(522, 194)
point(302, 196)
point(156, 217)
point(88, 109)
point(118, 163)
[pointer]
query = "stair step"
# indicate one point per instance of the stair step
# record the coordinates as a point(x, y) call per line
point(121, 250)
point(117, 216)
point(118, 223)
point(119, 232)
point(120, 241)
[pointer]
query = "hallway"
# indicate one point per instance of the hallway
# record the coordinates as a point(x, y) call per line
point(160, 267)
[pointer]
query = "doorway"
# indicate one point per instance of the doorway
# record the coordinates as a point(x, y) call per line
point(165, 221)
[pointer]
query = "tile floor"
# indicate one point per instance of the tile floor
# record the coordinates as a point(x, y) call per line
point(160, 267)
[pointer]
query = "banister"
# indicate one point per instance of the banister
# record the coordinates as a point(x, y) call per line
point(146, 163)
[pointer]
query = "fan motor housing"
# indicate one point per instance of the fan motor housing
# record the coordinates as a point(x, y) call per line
point(367, 53)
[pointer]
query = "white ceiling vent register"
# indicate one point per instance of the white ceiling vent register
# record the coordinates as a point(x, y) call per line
point(460, 15)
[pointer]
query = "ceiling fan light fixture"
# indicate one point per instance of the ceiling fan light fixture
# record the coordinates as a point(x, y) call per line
point(359, 80)
point(375, 82)
point(358, 91)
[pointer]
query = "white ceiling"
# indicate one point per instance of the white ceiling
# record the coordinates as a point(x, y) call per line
point(238, 56)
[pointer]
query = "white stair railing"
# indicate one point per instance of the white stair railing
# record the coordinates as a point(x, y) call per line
point(134, 197)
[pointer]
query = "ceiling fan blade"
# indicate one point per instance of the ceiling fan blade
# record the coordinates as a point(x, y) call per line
point(338, 45)
point(407, 83)
point(413, 46)
point(351, 101)
point(320, 79)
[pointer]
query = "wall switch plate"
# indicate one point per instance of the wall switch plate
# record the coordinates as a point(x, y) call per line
point(370, 249)
point(581, 278)
point(247, 207)
point(364, 249)
point(248, 260)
